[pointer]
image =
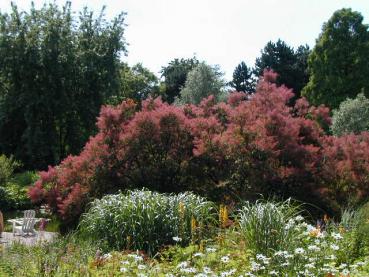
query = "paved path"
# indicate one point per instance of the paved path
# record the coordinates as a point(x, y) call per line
point(7, 238)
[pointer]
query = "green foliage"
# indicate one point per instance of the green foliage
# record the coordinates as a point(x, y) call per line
point(356, 225)
point(145, 220)
point(67, 256)
point(56, 70)
point(243, 80)
point(175, 76)
point(14, 193)
point(202, 81)
point(338, 63)
point(263, 225)
point(7, 168)
point(13, 187)
point(137, 83)
point(15, 198)
point(313, 252)
point(352, 116)
point(290, 65)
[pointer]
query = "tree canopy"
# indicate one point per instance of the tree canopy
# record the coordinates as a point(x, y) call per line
point(137, 83)
point(352, 116)
point(56, 70)
point(175, 75)
point(290, 65)
point(338, 64)
point(243, 80)
point(202, 81)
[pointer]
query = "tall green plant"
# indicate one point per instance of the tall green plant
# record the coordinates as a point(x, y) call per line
point(7, 168)
point(145, 220)
point(267, 226)
point(354, 222)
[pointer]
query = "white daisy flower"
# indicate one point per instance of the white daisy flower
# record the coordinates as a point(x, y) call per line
point(225, 259)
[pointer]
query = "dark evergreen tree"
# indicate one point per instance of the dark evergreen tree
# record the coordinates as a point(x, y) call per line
point(175, 75)
point(243, 80)
point(291, 66)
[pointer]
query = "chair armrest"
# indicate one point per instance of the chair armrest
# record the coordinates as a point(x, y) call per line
point(16, 221)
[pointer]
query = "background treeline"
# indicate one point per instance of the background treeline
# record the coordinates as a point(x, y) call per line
point(57, 68)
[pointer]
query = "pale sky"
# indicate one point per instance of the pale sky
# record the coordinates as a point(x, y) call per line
point(217, 31)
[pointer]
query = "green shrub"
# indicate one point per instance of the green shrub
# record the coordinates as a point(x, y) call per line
point(66, 256)
point(24, 179)
point(146, 220)
point(355, 223)
point(7, 168)
point(13, 194)
point(264, 225)
point(352, 116)
point(17, 197)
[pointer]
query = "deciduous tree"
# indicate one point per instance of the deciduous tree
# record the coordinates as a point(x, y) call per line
point(175, 76)
point(137, 83)
point(202, 81)
point(56, 70)
point(338, 64)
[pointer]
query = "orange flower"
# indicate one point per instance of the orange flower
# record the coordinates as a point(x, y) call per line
point(316, 232)
point(326, 218)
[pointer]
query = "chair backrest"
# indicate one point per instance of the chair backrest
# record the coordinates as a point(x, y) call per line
point(29, 221)
point(28, 225)
point(29, 214)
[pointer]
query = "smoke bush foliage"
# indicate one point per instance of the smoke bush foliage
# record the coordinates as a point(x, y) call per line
point(242, 147)
point(352, 116)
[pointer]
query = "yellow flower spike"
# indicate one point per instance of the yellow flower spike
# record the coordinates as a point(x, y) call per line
point(193, 229)
point(128, 242)
point(326, 218)
point(193, 225)
point(201, 246)
point(220, 239)
point(225, 216)
point(181, 209)
point(221, 207)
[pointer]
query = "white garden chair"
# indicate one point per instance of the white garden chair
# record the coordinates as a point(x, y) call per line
point(26, 225)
